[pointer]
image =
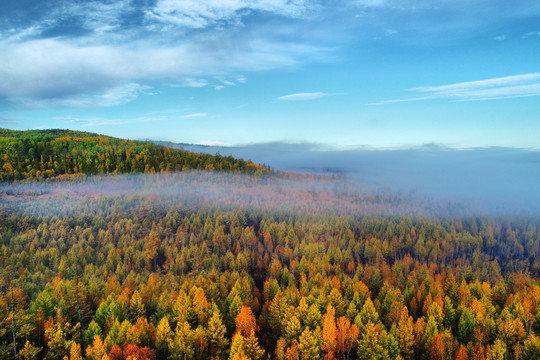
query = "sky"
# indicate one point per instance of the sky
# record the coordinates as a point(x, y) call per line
point(368, 74)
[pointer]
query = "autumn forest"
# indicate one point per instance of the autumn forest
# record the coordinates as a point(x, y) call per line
point(117, 249)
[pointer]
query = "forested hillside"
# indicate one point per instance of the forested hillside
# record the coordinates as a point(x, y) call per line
point(42, 154)
point(133, 277)
point(204, 265)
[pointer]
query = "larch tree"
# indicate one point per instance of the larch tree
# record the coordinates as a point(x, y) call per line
point(245, 322)
point(346, 338)
point(217, 335)
point(309, 346)
point(405, 335)
point(371, 345)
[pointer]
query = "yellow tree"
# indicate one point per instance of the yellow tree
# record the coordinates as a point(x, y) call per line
point(181, 345)
point(97, 351)
point(405, 335)
point(497, 351)
point(75, 352)
point(163, 335)
point(302, 309)
point(371, 344)
point(216, 333)
point(329, 333)
point(252, 347)
point(368, 314)
point(313, 317)
point(180, 309)
point(293, 353)
point(247, 347)
point(309, 346)
point(293, 329)
point(531, 348)
point(152, 246)
point(30, 352)
point(201, 306)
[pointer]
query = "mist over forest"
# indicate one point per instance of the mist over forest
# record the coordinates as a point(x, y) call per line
point(293, 193)
point(484, 180)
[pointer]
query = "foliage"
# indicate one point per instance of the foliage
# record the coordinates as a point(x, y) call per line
point(132, 277)
point(68, 154)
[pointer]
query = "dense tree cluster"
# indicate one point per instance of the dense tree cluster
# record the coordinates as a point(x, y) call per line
point(42, 154)
point(137, 279)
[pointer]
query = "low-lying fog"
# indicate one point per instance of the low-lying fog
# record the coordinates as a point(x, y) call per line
point(429, 181)
point(317, 194)
point(491, 180)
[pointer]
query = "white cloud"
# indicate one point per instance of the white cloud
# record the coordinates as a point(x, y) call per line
point(302, 96)
point(75, 120)
point(52, 71)
point(189, 82)
point(500, 38)
point(198, 14)
point(114, 96)
point(194, 115)
point(97, 121)
point(516, 86)
point(97, 16)
point(213, 143)
point(89, 53)
point(478, 84)
point(91, 122)
point(531, 33)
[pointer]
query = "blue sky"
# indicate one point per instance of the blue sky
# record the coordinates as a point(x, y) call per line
point(360, 74)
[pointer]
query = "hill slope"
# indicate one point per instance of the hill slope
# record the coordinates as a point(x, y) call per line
point(52, 153)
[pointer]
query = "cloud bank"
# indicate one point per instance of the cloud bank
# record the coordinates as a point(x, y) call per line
point(485, 180)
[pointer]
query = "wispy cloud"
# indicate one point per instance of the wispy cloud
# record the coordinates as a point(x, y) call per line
point(5, 120)
point(198, 14)
point(191, 82)
point(302, 96)
point(516, 86)
point(531, 34)
point(98, 121)
point(91, 122)
point(194, 115)
point(213, 143)
point(109, 97)
point(144, 118)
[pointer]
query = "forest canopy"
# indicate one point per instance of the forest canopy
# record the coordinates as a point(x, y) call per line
point(42, 154)
point(207, 265)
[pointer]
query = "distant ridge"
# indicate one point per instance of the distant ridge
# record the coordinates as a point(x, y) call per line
point(57, 153)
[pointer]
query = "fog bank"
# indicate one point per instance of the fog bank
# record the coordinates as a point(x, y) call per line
point(314, 194)
point(485, 180)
